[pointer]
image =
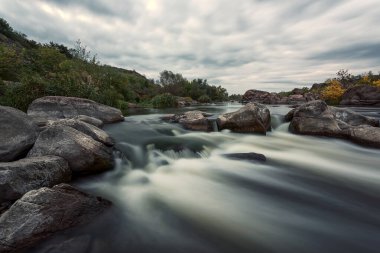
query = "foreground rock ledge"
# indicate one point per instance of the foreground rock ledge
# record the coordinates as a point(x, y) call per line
point(17, 133)
point(317, 118)
point(57, 107)
point(19, 177)
point(84, 154)
point(40, 213)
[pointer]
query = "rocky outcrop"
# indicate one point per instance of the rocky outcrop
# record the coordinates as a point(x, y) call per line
point(362, 96)
point(262, 97)
point(84, 154)
point(88, 129)
point(40, 213)
point(252, 118)
point(56, 107)
point(17, 133)
point(317, 118)
point(296, 96)
point(19, 177)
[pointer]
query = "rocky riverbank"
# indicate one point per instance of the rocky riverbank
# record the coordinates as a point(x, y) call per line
point(59, 138)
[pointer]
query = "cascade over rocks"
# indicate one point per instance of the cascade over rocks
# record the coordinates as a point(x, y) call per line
point(19, 177)
point(40, 213)
point(317, 118)
point(84, 154)
point(17, 133)
point(57, 107)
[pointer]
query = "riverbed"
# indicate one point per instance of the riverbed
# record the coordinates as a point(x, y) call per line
point(174, 191)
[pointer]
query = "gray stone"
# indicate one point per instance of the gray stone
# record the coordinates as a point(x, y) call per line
point(194, 120)
point(252, 118)
point(19, 177)
point(57, 107)
point(91, 130)
point(84, 154)
point(90, 120)
point(40, 213)
point(362, 96)
point(317, 118)
point(17, 133)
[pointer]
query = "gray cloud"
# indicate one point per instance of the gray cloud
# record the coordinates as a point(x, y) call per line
point(271, 45)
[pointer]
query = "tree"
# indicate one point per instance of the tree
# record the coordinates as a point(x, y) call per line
point(333, 92)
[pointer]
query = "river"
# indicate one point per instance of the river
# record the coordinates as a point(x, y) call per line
point(174, 191)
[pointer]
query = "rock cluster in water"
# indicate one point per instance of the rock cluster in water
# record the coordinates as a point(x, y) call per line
point(59, 137)
point(297, 96)
point(251, 118)
point(317, 118)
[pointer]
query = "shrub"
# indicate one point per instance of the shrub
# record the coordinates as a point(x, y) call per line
point(204, 99)
point(164, 100)
point(333, 92)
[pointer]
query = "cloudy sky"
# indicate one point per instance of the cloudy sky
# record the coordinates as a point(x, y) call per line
point(271, 45)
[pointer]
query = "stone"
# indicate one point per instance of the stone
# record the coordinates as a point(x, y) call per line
point(40, 213)
point(364, 95)
point(251, 156)
point(84, 154)
point(251, 118)
point(317, 118)
point(88, 129)
point(17, 134)
point(90, 120)
point(57, 107)
point(19, 177)
point(194, 120)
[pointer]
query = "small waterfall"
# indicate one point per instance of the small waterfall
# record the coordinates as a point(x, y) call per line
point(213, 125)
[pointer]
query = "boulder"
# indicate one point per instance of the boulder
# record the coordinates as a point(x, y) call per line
point(296, 99)
point(57, 107)
point(252, 118)
point(91, 130)
point(361, 96)
point(19, 177)
point(84, 154)
point(90, 120)
point(40, 213)
point(17, 133)
point(263, 97)
point(317, 118)
point(194, 120)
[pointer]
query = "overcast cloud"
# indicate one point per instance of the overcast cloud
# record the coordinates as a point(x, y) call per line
point(271, 45)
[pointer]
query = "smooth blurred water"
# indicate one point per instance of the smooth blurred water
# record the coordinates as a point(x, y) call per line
point(174, 191)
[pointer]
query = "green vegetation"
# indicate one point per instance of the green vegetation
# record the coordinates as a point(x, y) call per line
point(333, 89)
point(29, 70)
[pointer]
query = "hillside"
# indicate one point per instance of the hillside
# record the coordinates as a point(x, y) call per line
point(29, 70)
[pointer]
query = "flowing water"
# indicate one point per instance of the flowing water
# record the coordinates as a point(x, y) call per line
point(174, 191)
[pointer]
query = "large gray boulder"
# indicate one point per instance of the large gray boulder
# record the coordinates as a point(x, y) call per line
point(317, 118)
point(91, 130)
point(40, 213)
point(57, 107)
point(362, 95)
point(194, 120)
point(252, 118)
point(17, 133)
point(84, 154)
point(19, 177)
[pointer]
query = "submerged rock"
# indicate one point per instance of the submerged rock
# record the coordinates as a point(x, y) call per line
point(41, 213)
point(84, 154)
point(251, 156)
point(17, 133)
point(19, 177)
point(317, 118)
point(57, 107)
point(252, 118)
